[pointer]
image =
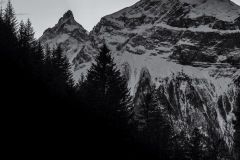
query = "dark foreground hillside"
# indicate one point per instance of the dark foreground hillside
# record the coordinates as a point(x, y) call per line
point(39, 124)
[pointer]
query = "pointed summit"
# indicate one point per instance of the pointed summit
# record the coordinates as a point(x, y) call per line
point(68, 14)
point(67, 32)
point(67, 25)
point(67, 18)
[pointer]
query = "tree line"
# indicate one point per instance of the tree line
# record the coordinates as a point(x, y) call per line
point(47, 112)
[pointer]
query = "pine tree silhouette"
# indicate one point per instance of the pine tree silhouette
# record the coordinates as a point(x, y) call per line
point(1, 30)
point(29, 32)
point(237, 126)
point(37, 58)
point(30, 52)
point(9, 33)
point(196, 145)
point(1, 19)
point(105, 94)
point(148, 111)
point(154, 127)
point(178, 146)
point(57, 74)
point(105, 91)
point(10, 17)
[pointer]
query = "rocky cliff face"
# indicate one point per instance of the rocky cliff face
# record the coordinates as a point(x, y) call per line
point(194, 96)
point(150, 38)
point(202, 30)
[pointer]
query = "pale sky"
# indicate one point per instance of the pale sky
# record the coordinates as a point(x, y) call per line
point(46, 13)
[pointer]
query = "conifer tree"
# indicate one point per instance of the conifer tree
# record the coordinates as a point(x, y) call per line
point(1, 17)
point(29, 32)
point(57, 72)
point(21, 33)
point(105, 91)
point(37, 58)
point(153, 124)
point(1, 26)
point(39, 53)
point(2, 54)
point(8, 34)
point(47, 56)
point(178, 146)
point(26, 37)
point(1, 13)
point(34, 47)
point(22, 45)
point(63, 65)
point(10, 17)
point(8, 38)
point(196, 145)
point(30, 51)
point(237, 127)
point(47, 65)
point(148, 111)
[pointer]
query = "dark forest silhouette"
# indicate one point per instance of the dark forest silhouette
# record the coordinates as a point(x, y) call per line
point(45, 112)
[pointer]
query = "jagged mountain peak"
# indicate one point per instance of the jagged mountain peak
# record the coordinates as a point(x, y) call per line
point(68, 14)
point(68, 33)
point(66, 25)
point(67, 18)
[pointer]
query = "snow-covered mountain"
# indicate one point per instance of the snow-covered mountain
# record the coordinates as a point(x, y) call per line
point(149, 39)
point(68, 33)
point(204, 30)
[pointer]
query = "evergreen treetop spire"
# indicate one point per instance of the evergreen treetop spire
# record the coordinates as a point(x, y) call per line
point(105, 90)
point(29, 31)
point(10, 17)
point(9, 11)
point(1, 12)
